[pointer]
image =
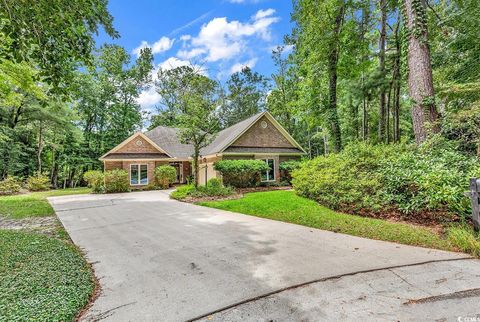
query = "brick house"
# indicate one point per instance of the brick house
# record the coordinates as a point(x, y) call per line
point(258, 137)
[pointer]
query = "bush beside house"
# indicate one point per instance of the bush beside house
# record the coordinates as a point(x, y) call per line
point(213, 188)
point(241, 173)
point(116, 181)
point(165, 175)
point(286, 168)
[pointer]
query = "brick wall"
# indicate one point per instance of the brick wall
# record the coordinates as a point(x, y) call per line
point(110, 165)
point(150, 168)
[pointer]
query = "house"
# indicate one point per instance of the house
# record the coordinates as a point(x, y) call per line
point(258, 137)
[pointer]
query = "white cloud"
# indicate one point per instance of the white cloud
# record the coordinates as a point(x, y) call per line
point(239, 66)
point(189, 54)
point(174, 62)
point(263, 13)
point(148, 98)
point(161, 45)
point(220, 39)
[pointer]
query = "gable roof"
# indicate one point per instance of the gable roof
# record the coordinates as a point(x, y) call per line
point(127, 140)
point(167, 139)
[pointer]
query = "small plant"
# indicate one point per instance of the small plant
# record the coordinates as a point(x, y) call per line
point(94, 179)
point(241, 173)
point(38, 182)
point(10, 186)
point(116, 181)
point(165, 175)
point(183, 192)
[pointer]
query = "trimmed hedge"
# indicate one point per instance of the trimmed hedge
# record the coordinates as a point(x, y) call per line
point(165, 175)
point(241, 173)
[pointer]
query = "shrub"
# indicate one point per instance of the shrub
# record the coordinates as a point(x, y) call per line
point(116, 181)
point(429, 178)
point(165, 175)
point(347, 179)
point(10, 186)
point(94, 179)
point(182, 192)
point(38, 182)
point(214, 188)
point(433, 177)
point(286, 167)
point(241, 173)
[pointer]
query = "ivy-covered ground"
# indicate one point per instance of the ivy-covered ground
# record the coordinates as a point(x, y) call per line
point(43, 276)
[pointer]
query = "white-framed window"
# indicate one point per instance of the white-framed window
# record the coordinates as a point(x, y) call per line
point(138, 174)
point(269, 175)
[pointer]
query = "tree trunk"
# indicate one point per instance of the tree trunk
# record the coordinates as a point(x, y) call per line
point(333, 119)
point(381, 60)
point(40, 147)
point(420, 79)
point(396, 78)
point(363, 30)
point(196, 166)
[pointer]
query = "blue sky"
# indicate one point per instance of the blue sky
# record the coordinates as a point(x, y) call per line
point(221, 36)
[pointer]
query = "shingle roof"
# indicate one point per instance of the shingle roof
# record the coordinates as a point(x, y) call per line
point(240, 149)
point(143, 156)
point(168, 138)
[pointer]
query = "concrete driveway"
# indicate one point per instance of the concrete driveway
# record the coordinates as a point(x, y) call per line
point(163, 260)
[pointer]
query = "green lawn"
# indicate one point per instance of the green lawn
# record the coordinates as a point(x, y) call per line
point(34, 204)
point(287, 206)
point(41, 278)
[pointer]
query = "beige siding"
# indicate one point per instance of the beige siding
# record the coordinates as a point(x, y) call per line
point(257, 136)
point(132, 147)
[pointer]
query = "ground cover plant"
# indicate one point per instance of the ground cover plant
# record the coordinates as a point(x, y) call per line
point(41, 278)
point(214, 188)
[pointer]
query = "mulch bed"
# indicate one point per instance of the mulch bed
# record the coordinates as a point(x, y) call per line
point(424, 218)
point(239, 194)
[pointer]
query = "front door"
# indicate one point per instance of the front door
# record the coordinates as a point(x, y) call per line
point(178, 167)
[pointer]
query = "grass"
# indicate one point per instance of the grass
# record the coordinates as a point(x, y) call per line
point(288, 207)
point(34, 204)
point(41, 278)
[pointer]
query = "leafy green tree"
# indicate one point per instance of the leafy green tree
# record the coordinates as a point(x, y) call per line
point(246, 96)
point(191, 99)
point(55, 36)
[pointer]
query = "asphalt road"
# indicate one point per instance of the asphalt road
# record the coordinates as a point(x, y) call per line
point(162, 260)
